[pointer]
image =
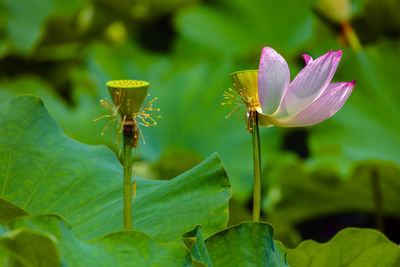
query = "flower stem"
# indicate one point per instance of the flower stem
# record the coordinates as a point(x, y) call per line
point(257, 166)
point(351, 37)
point(127, 186)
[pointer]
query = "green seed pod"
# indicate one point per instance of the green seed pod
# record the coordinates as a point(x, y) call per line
point(128, 95)
point(245, 83)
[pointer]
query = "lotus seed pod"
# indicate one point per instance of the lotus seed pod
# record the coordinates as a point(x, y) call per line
point(245, 83)
point(128, 95)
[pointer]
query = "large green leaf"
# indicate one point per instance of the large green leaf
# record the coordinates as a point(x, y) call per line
point(42, 170)
point(351, 247)
point(368, 126)
point(39, 240)
point(239, 26)
point(247, 244)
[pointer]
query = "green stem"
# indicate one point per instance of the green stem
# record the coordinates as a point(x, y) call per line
point(351, 37)
point(257, 166)
point(127, 184)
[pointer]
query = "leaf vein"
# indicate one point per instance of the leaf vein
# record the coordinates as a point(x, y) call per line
point(7, 174)
point(40, 181)
point(66, 190)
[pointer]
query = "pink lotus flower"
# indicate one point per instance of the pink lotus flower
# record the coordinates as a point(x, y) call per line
point(309, 99)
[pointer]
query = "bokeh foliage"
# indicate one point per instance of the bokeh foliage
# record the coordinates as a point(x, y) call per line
point(65, 51)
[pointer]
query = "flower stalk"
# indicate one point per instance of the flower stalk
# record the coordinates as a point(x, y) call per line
point(253, 118)
point(246, 94)
point(351, 37)
point(127, 188)
point(340, 13)
point(127, 98)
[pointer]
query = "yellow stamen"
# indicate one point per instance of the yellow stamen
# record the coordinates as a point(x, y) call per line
point(141, 134)
point(122, 124)
point(107, 125)
point(134, 189)
point(232, 98)
point(102, 117)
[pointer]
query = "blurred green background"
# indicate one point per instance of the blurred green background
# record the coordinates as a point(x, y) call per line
point(316, 180)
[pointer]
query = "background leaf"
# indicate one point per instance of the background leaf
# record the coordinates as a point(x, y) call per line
point(22, 38)
point(351, 247)
point(66, 51)
point(328, 194)
point(29, 248)
point(237, 27)
point(368, 126)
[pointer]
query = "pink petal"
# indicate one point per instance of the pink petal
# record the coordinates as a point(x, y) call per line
point(309, 84)
point(273, 79)
point(323, 108)
point(308, 59)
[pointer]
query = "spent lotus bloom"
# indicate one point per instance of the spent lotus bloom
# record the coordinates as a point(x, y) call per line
point(309, 99)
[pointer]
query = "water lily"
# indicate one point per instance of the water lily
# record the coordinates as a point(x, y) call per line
point(309, 99)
